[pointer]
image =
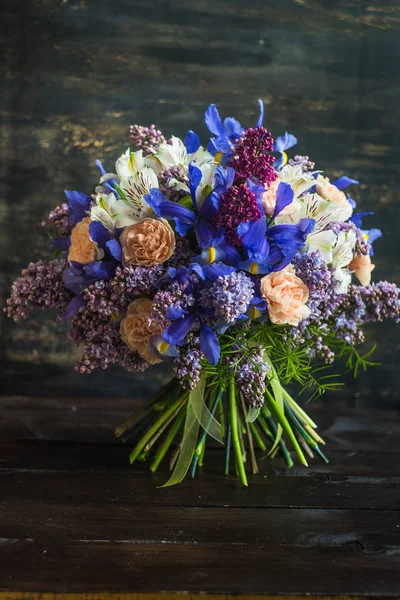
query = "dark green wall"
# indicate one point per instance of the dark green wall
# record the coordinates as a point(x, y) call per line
point(77, 73)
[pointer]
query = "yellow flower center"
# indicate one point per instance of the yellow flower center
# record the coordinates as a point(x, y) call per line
point(218, 157)
point(253, 268)
point(211, 255)
point(254, 312)
point(163, 347)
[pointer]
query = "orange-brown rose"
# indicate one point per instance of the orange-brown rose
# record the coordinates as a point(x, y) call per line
point(149, 242)
point(137, 328)
point(286, 297)
point(328, 191)
point(362, 268)
point(82, 249)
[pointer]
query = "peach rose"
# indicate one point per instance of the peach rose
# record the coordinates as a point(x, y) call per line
point(137, 328)
point(149, 242)
point(82, 249)
point(268, 198)
point(328, 191)
point(286, 297)
point(362, 268)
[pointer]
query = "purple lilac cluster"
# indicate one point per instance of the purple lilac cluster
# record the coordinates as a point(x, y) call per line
point(187, 366)
point(59, 218)
point(102, 344)
point(252, 158)
point(167, 187)
point(323, 303)
point(39, 286)
point(148, 139)
point(238, 205)
point(229, 296)
point(304, 162)
point(250, 376)
point(171, 298)
point(361, 247)
point(370, 304)
point(111, 298)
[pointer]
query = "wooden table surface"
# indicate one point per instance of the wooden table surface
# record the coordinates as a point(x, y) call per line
point(76, 518)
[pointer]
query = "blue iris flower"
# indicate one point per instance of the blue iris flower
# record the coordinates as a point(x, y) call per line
point(77, 277)
point(227, 132)
point(210, 240)
point(100, 234)
point(78, 206)
point(271, 248)
point(109, 185)
point(182, 320)
point(283, 143)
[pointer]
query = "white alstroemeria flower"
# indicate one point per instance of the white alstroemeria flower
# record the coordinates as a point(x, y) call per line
point(207, 181)
point(299, 182)
point(135, 187)
point(324, 241)
point(343, 280)
point(175, 154)
point(135, 179)
point(311, 206)
point(111, 212)
point(341, 258)
point(344, 249)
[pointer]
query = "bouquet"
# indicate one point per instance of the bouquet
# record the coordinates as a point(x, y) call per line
point(245, 270)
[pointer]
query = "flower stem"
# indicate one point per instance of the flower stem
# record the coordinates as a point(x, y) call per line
point(233, 419)
point(163, 449)
point(228, 442)
point(282, 420)
point(198, 453)
point(151, 432)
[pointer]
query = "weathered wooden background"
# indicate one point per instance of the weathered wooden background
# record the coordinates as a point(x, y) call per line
point(77, 73)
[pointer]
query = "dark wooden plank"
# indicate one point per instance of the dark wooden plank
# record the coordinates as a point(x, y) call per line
point(60, 456)
point(29, 565)
point(313, 490)
point(344, 421)
point(300, 528)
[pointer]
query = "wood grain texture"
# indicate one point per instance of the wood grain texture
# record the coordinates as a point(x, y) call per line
point(76, 520)
point(76, 73)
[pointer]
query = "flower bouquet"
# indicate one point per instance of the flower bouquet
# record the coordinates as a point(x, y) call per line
point(244, 270)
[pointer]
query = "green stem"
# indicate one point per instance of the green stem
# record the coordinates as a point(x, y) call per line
point(163, 449)
point(228, 442)
point(138, 415)
point(257, 437)
point(282, 420)
point(149, 434)
point(201, 444)
point(233, 419)
point(307, 437)
point(282, 445)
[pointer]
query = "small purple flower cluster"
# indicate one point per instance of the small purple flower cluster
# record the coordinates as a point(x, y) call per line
point(171, 298)
point(250, 377)
point(229, 296)
point(148, 139)
point(362, 248)
point(238, 205)
point(187, 366)
point(252, 158)
point(39, 286)
point(59, 218)
point(304, 162)
point(168, 187)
